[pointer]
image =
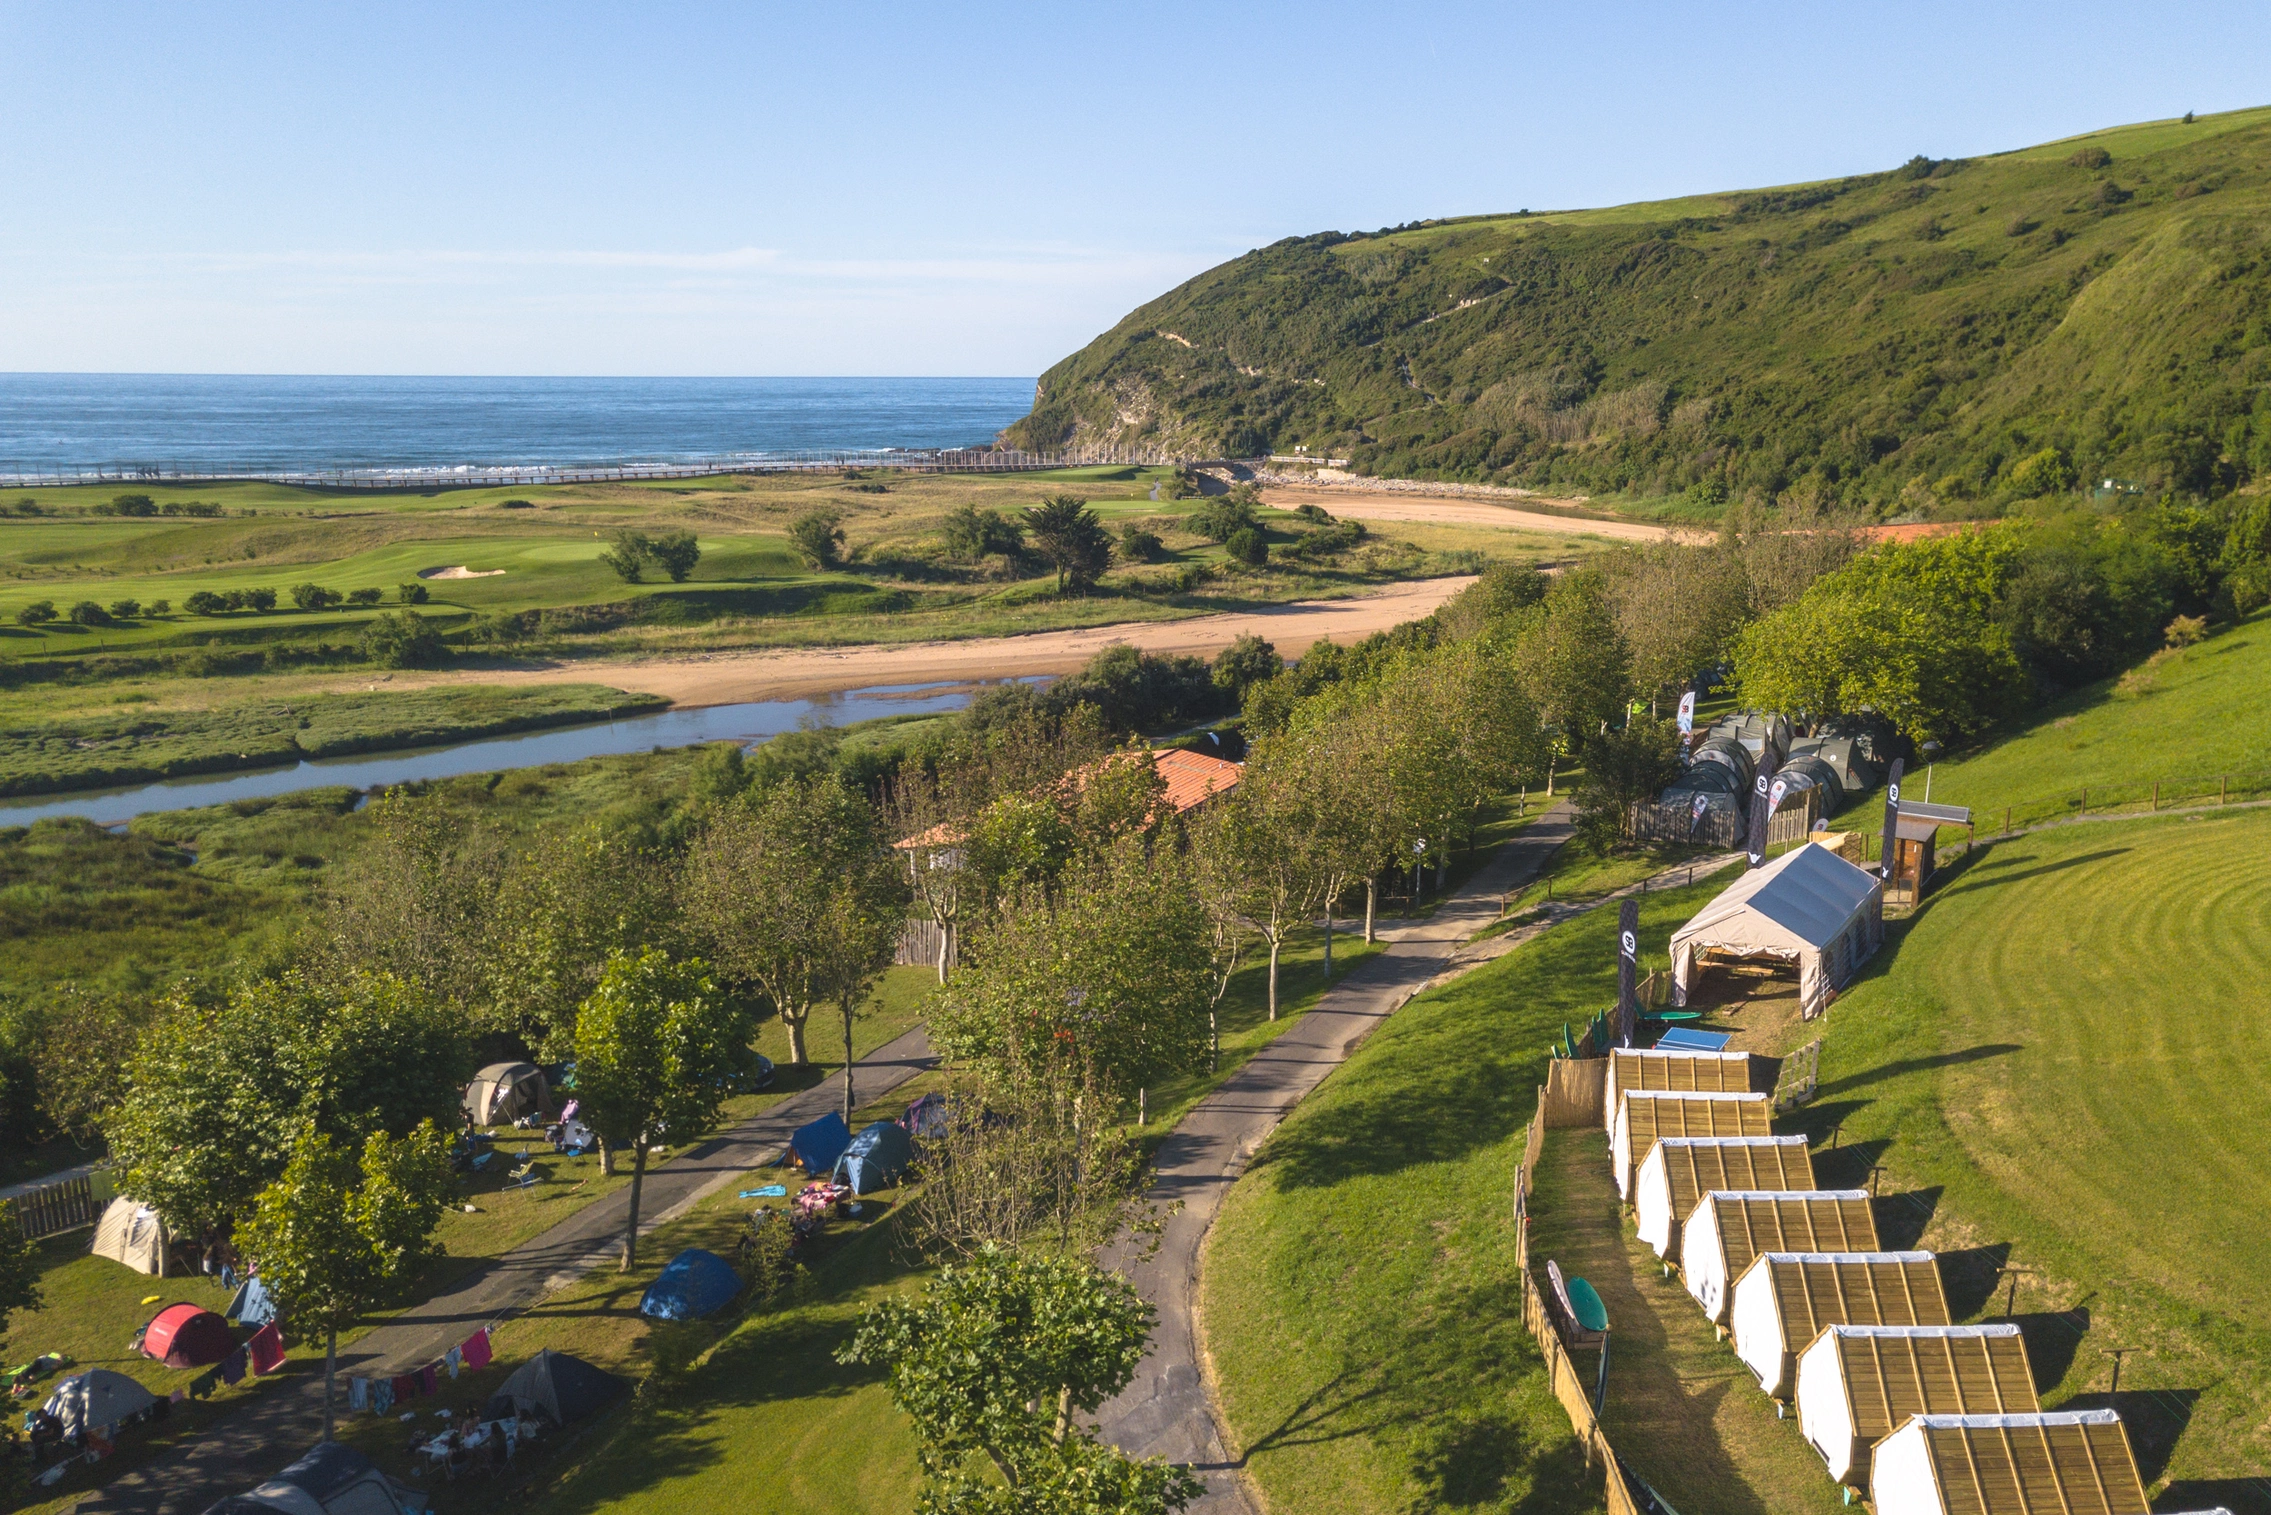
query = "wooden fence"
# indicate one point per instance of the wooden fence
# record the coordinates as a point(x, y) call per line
point(1571, 1096)
point(54, 1208)
point(918, 945)
point(1724, 829)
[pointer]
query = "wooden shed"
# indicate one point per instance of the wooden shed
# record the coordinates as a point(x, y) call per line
point(1856, 1384)
point(2074, 1462)
point(1731, 1227)
point(1680, 1170)
point(1916, 832)
point(1686, 1072)
point(1644, 1116)
point(1783, 1300)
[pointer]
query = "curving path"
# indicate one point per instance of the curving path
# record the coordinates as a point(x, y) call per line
point(1169, 1411)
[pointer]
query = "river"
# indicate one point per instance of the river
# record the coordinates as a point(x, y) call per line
point(746, 723)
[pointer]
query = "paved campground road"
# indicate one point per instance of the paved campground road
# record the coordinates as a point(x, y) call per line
point(1169, 1411)
point(259, 1439)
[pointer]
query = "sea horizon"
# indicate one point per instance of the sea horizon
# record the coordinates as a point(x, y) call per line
point(69, 423)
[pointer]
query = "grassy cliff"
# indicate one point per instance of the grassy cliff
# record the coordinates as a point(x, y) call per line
point(1906, 339)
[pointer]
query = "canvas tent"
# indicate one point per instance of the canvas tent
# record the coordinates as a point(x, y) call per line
point(503, 1092)
point(1856, 1384)
point(561, 1388)
point(1680, 1170)
point(132, 1233)
point(187, 1336)
point(2075, 1462)
point(1783, 1300)
point(691, 1285)
point(1809, 908)
point(1684, 1071)
point(332, 1479)
point(876, 1158)
point(97, 1398)
point(1644, 1117)
point(816, 1146)
point(1731, 1227)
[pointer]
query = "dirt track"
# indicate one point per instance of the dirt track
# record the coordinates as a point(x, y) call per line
point(1361, 505)
point(730, 678)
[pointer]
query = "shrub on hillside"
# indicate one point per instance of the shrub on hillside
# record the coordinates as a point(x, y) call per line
point(412, 593)
point(362, 598)
point(1140, 546)
point(972, 534)
point(124, 610)
point(37, 613)
point(818, 536)
point(127, 505)
point(88, 613)
point(1223, 517)
point(314, 597)
point(2045, 472)
point(204, 602)
point(1248, 546)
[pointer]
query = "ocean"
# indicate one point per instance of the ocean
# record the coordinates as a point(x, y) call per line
point(218, 423)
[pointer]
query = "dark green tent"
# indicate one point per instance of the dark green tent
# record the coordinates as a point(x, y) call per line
point(560, 1387)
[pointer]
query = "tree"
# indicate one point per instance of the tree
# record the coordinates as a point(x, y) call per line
point(1678, 608)
point(260, 600)
point(314, 597)
point(1250, 863)
point(676, 553)
point(818, 536)
point(124, 610)
point(656, 1045)
point(418, 900)
point(206, 602)
point(995, 1360)
point(216, 1095)
point(37, 613)
point(88, 613)
point(365, 598)
point(84, 1040)
point(1108, 970)
point(797, 895)
point(1575, 664)
point(1138, 545)
point(1622, 769)
point(629, 555)
point(972, 534)
point(19, 1269)
point(1247, 661)
point(335, 1235)
point(1248, 546)
point(403, 639)
point(567, 904)
point(412, 593)
point(1068, 536)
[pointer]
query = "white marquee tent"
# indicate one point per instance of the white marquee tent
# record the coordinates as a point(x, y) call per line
point(1809, 908)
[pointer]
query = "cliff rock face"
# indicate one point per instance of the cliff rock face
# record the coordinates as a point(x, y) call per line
point(1913, 340)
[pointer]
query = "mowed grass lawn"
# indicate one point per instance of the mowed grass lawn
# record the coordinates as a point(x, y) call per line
point(2181, 716)
point(2061, 1062)
point(1362, 1304)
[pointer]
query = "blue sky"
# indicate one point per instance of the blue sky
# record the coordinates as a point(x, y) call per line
point(935, 189)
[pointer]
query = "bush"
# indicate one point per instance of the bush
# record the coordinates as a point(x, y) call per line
point(516, 505)
point(2185, 631)
point(128, 505)
point(314, 597)
point(37, 613)
point(258, 599)
point(1249, 547)
point(362, 598)
point(1245, 662)
point(1223, 517)
point(675, 553)
point(88, 613)
point(1140, 546)
point(2045, 472)
point(159, 607)
point(818, 536)
point(204, 602)
point(125, 610)
point(412, 593)
point(1623, 768)
point(972, 534)
point(2091, 157)
point(1190, 576)
point(402, 639)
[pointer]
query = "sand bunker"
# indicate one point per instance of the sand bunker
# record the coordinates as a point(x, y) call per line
point(459, 572)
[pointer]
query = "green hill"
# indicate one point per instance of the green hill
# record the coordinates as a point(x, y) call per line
point(1899, 339)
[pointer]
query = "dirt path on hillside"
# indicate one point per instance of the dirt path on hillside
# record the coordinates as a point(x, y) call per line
point(731, 678)
point(1363, 505)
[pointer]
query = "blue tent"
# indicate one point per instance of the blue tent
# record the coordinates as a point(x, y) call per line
point(691, 1285)
point(876, 1157)
point(251, 1304)
point(818, 1145)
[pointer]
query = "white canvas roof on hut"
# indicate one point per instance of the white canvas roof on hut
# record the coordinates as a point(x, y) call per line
point(132, 1233)
point(1783, 1300)
point(1857, 1384)
point(2075, 1462)
point(1730, 1228)
point(1809, 907)
point(1645, 1116)
point(1709, 1072)
point(1679, 1170)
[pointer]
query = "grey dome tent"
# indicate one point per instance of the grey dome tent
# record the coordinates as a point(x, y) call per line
point(1805, 770)
point(96, 1398)
point(332, 1479)
point(561, 1388)
point(876, 1158)
point(503, 1092)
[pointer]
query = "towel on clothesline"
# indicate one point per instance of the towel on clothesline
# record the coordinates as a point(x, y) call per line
point(382, 1395)
point(428, 1380)
point(266, 1349)
point(452, 1358)
point(358, 1393)
point(232, 1366)
point(477, 1353)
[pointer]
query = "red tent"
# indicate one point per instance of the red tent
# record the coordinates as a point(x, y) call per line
point(187, 1336)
